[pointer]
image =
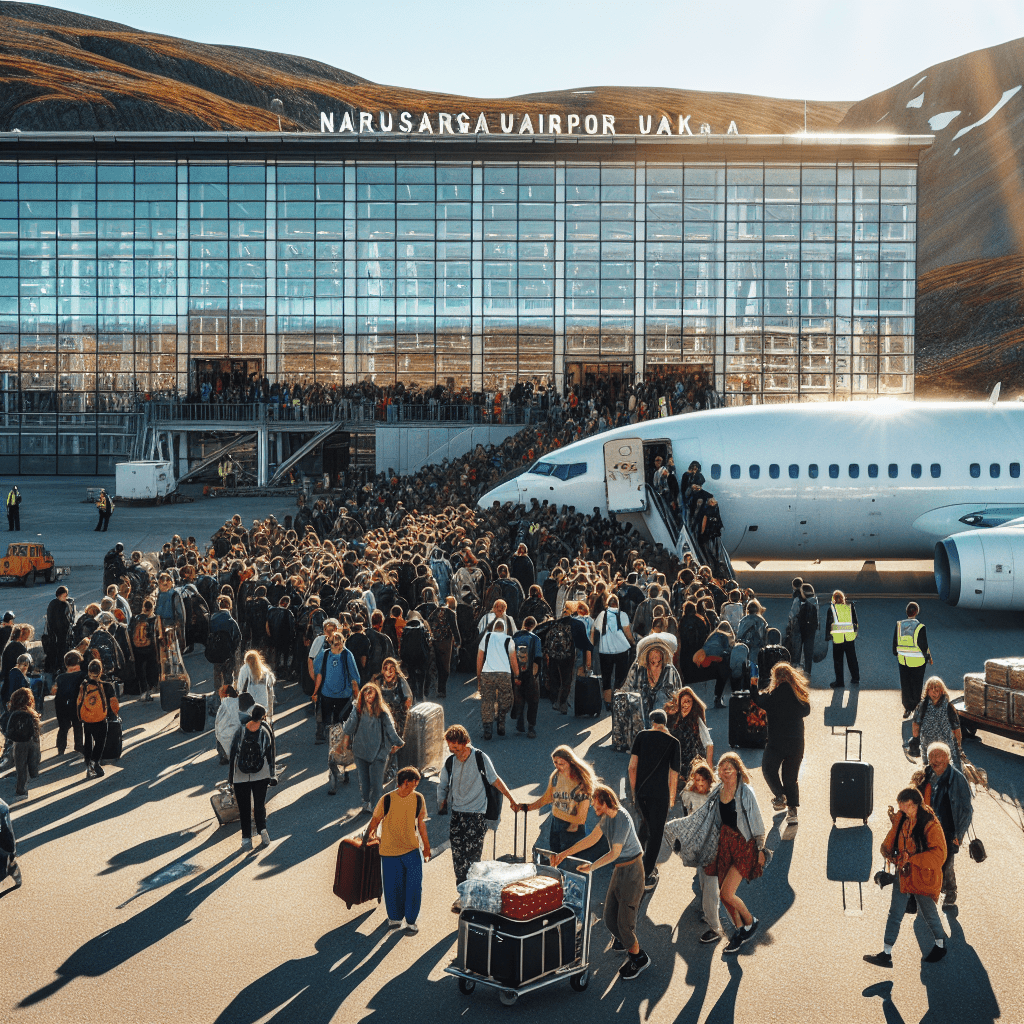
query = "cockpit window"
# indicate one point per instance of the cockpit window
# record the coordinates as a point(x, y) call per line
point(541, 468)
point(565, 471)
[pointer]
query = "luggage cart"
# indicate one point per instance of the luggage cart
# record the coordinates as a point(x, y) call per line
point(578, 970)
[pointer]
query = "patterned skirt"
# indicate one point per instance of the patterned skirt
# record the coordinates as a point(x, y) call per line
point(734, 850)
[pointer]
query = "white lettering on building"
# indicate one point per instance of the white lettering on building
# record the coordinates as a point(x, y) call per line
point(365, 121)
point(444, 124)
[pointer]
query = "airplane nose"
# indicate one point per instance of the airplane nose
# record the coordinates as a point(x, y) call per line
point(508, 491)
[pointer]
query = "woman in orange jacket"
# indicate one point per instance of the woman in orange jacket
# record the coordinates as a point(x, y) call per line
point(916, 845)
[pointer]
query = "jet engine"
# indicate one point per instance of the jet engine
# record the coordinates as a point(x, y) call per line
point(977, 569)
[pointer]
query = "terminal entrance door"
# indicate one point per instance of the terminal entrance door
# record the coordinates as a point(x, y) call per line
point(236, 373)
point(616, 376)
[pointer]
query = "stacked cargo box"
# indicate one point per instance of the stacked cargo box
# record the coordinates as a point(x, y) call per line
point(998, 693)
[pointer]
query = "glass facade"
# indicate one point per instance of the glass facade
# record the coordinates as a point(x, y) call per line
point(122, 277)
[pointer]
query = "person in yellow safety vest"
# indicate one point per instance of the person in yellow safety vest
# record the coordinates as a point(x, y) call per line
point(841, 628)
point(14, 509)
point(910, 648)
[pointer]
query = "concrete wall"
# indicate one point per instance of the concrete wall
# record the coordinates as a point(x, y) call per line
point(407, 449)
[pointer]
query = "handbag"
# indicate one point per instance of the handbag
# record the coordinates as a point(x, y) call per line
point(976, 848)
point(695, 837)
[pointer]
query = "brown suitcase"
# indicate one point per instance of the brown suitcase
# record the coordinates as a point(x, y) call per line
point(531, 897)
point(357, 877)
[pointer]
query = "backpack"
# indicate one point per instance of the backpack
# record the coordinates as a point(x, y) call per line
point(509, 593)
point(494, 796)
point(93, 705)
point(378, 651)
point(142, 633)
point(523, 658)
point(440, 624)
point(690, 632)
point(20, 727)
point(415, 644)
point(807, 617)
point(249, 760)
point(106, 646)
point(315, 625)
point(219, 647)
point(559, 641)
point(419, 804)
point(738, 658)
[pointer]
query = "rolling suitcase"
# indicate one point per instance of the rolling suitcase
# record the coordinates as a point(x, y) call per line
point(516, 952)
point(224, 804)
point(357, 877)
point(587, 700)
point(174, 680)
point(748, 724)
point(193, 713)
point(114, 743)
point(627, 719)
point(425, 747)
point(852, 786)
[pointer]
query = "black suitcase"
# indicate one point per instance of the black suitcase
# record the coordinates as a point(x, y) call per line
point(114, 743)
point(515, 952)
point(852, 787)
point(588, 701)
point(193, 713)
point(747, 722)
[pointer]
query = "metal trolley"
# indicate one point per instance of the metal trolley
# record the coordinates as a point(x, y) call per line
point(578, 970)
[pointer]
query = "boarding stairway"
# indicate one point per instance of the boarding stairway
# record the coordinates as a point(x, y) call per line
point(673, 536)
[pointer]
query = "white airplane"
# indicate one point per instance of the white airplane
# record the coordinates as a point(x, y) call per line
point(837, 480)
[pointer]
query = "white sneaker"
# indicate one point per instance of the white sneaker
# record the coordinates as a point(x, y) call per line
point(779, 803)
point(791, 818)
point(394, 924)
point(368, 807)
point(412, 929)
point(264, 839)
point(247, 845)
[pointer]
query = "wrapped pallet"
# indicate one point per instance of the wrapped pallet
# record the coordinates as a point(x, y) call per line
point(974, 693)
point(997, 671)
point(1016, 674)
point(984, 699)
point(1016, 718)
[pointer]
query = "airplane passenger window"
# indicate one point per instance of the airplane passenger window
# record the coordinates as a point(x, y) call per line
point(1015, 470)
point(833, 471)
point(993, 470)
point(854, 471)
point(936, 471)
point(734, 471)
point(755, 472)
point(894, 471)
point(812, 471)
point(794, 472)
point(975, 470)
point(872, 470)
point(716, 471)
point(773, 471)
point(915, 470)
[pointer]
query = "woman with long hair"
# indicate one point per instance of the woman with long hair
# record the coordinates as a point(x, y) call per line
point(653, 676)
point(256, 678)
point(917, 846)
point(395, 691)
point(23, 732)
point(787, 701)
point(371, 737)
point(741, 852)
point(936, 721)
point(570, 788)
point(687, 721)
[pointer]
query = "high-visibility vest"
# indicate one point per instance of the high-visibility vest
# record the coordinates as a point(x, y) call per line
point(12, 499)
point(907, 651)
point(843, 628)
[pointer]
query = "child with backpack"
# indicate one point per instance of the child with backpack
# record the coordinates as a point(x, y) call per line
point(97, 702)
point(252, 770)
point(142, 631)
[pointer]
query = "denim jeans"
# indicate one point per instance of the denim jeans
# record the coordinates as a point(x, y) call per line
point(26, 760)
point(926, 908)
point(403, 885)
point(371, 779)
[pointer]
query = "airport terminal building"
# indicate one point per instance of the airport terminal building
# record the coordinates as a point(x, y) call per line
point(135, 264)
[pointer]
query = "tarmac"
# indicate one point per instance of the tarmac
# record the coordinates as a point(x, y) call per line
point(136, 907)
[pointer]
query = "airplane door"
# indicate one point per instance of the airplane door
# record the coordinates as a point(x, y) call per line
point(998, 571)
point(624, 475)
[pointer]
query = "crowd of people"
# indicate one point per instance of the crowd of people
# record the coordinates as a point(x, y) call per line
point(372, 607)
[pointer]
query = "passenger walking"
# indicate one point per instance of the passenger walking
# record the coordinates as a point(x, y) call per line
point(402, 818)
point(65, 697)
point(371, 735)
point(496, 667)
point(570, 788)
point(395, 692)
point(910, 649)
point(948, 794)
point(255, 678)
point(787, 701)
point(143, 633)
point(626, 888)
point(97, 702)
point(614, 641)
point(526, 695)
point(653, 676)
point(23, 732)
point(804, 628)
point(687, 721)
point(462, 789)
point(741, 853)
point(695, 795)
point(654, 766)
point(252, 770)
point(8, 848)
point(936, 721)
point(841, 628)
point(916, 845)
point(227, 723)
point(753, 631)
point(223, 643)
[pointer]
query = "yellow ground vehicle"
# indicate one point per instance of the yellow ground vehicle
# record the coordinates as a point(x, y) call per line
point(23, 562)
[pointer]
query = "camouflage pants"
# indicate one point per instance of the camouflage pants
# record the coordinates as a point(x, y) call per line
point(495, 689)
point(467, 838)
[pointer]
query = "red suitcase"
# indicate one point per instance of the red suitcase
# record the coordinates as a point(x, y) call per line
point(357, 877)
point(531, 898)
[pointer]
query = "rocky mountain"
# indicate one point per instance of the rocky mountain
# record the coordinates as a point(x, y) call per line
point(61, 71)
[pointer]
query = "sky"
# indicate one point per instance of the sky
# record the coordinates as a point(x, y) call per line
point(800, 49)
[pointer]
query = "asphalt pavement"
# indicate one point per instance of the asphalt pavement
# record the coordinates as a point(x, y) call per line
point(137, 907)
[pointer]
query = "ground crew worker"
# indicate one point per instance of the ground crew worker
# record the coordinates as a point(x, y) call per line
point(841, 627)
point(14, 509)
point(105, 507)
point(910, 648)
